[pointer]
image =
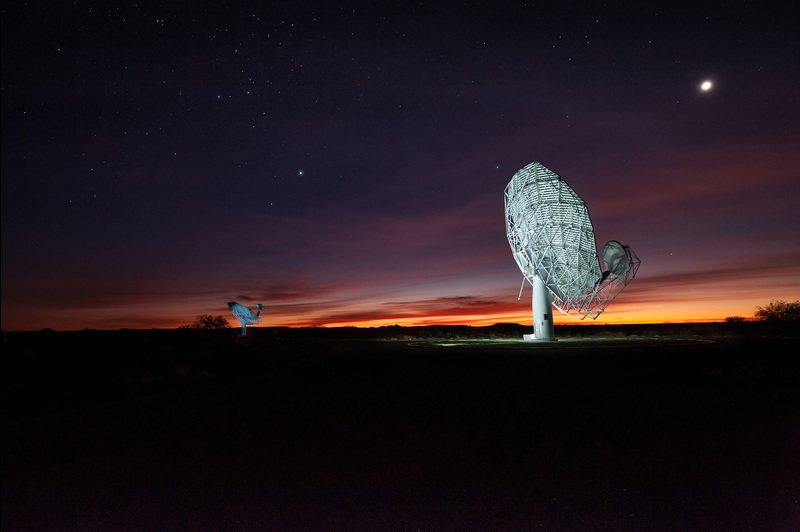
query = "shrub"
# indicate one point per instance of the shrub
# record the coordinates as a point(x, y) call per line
point(779, 311)
point(207, 321)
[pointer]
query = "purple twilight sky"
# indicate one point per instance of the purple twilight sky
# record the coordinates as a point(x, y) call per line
point(345, 163)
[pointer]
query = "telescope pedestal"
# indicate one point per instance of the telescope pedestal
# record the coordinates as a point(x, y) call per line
point(542, 314)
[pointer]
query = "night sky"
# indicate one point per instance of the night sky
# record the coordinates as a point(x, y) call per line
point(344, 164)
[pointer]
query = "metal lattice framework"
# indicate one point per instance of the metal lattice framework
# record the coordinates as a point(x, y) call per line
point(552, 237)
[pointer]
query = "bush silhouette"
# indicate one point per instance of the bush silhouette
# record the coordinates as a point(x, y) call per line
point(207, 321)
point(779, 311)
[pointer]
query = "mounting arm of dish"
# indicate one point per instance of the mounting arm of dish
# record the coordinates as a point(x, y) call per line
point(552, 239)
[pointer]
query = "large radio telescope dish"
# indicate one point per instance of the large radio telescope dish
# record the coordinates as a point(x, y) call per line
point(552, 239)
point(245, 315)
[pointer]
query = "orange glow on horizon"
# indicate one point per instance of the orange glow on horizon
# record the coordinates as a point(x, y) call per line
point(644, 307)
point(412, 321)
point(607, 318)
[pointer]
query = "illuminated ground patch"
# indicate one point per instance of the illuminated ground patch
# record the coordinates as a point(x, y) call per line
point(560, 344)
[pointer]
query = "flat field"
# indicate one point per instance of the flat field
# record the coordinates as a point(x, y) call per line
point(282, 430)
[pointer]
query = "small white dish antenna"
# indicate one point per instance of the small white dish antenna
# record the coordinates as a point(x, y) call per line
point(552, 239)
point(245, 315)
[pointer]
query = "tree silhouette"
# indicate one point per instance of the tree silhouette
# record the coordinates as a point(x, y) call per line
point(734, 319)
point(207, 321)
point(779, 311)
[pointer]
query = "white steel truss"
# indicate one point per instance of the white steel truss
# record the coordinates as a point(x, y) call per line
point(552, 237)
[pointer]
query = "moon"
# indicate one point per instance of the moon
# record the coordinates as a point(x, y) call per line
point(706, 86)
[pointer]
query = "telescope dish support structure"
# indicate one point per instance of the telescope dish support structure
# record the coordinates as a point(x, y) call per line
point(552, 241)
point(542, 313)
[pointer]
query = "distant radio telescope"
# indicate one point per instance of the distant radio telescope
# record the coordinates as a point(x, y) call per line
point(552, 239)
point(245, 315)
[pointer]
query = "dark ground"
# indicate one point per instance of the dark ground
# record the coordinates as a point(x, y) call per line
point(288, 430)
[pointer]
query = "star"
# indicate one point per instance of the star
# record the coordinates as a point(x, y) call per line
point(706, 86)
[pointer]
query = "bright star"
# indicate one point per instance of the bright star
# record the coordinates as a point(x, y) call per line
point(706, 86)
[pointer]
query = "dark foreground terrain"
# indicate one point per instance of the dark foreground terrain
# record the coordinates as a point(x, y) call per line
point(200, 430)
